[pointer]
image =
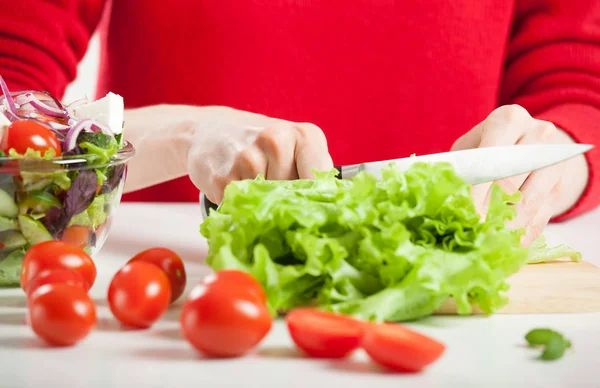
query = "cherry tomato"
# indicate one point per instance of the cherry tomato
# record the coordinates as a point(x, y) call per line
point(223, 322)
point(77, 235)
point(139, 294)
point(399, 348)
point(61, 314)
point(57, 275)
point(170, 263)
point(24, 134)
point(242, 281)
point(57, 254)
point(324, 335)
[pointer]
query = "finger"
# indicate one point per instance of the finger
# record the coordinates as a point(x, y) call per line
point(539, 132)
point(469, 140)
point(501, 127)
point(539, 187)
point(278, 144)
point(248, 164)
point(311, 151)
point(541, 219)
point(505, 126)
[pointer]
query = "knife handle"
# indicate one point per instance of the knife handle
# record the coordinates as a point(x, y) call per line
point(206, 204)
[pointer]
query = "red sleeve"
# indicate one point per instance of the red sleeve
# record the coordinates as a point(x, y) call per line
point(553, 70)
point(42, 41)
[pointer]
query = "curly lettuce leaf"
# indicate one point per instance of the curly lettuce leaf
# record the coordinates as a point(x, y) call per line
point(541, 253)
point(41, 180)
point(392, 249)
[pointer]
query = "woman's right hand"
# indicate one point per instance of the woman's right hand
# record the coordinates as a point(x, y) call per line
point(217, 145)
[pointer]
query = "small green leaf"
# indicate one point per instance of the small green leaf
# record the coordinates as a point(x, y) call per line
point(553, 342)
point(540, 336)
point(554, 349)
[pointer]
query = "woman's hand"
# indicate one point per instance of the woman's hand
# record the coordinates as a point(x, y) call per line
point(235, 145)
point(545, 193)
point(217, 145)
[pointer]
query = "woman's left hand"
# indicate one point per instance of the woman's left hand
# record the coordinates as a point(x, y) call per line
point(545, 193)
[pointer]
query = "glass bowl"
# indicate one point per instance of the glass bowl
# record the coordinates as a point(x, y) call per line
point(64, 198)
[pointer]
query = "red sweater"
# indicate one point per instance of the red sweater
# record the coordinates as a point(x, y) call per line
point(382, 78)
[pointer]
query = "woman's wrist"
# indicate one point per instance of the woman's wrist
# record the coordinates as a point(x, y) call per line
point(162, 136)
point(575, 180)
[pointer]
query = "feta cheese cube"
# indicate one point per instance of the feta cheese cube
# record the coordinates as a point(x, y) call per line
point(108, 110)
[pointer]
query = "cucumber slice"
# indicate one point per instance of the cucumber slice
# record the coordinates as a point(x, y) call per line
point(12, 240)
point(8, 207)
point(10, 268)
point(7, 224)
point(37, 202)
point(33, 230)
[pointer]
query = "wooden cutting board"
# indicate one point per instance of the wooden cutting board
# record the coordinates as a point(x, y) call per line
point(554, 287)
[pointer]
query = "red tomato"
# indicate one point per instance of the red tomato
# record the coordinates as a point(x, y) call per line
point(223, 322)
point(242, 281)
point(398, 348)
point(57, 275)
point(77, 235)
point(57, 254)
point(139, 294)
point(324, 335)
point(61, 314)
point(24, 134)
point(170, 263)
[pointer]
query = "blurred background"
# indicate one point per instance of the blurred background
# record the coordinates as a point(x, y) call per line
point(85, 83)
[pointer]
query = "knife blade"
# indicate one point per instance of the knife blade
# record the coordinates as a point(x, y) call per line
point(475, 166)
point(480, 165)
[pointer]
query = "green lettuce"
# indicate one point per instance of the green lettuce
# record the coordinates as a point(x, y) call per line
point(95, 214)
point(41, 180)
point(392, 249)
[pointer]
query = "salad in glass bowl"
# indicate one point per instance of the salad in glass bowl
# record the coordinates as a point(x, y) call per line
point(62, 172)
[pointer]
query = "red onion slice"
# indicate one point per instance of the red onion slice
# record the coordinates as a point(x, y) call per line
point(71, 139)
point(44, 108)
point(8, 97)
point(77, 103)
point(96, 126)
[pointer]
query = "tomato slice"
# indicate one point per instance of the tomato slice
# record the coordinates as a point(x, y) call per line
point(24, 134)
point(400, 349)
point(77, 235)
point(324, 335)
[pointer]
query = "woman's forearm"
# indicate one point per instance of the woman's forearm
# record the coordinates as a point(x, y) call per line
point(161, 136)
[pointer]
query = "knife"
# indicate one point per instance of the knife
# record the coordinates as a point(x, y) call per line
point(475, 166)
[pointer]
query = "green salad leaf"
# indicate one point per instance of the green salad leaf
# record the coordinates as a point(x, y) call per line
point(41, 180)
point(391, 249)
point(553, 343)
point(95, 214)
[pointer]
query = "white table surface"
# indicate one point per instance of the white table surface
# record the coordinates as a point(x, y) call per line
point(482, 352)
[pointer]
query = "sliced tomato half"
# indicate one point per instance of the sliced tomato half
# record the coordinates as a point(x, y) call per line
point(324, 335)
point(400, 349)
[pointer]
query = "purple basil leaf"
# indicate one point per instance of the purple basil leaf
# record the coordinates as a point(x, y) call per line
point(113, 180)
point(54, 221)
point(81, 193)
point(75, 151)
